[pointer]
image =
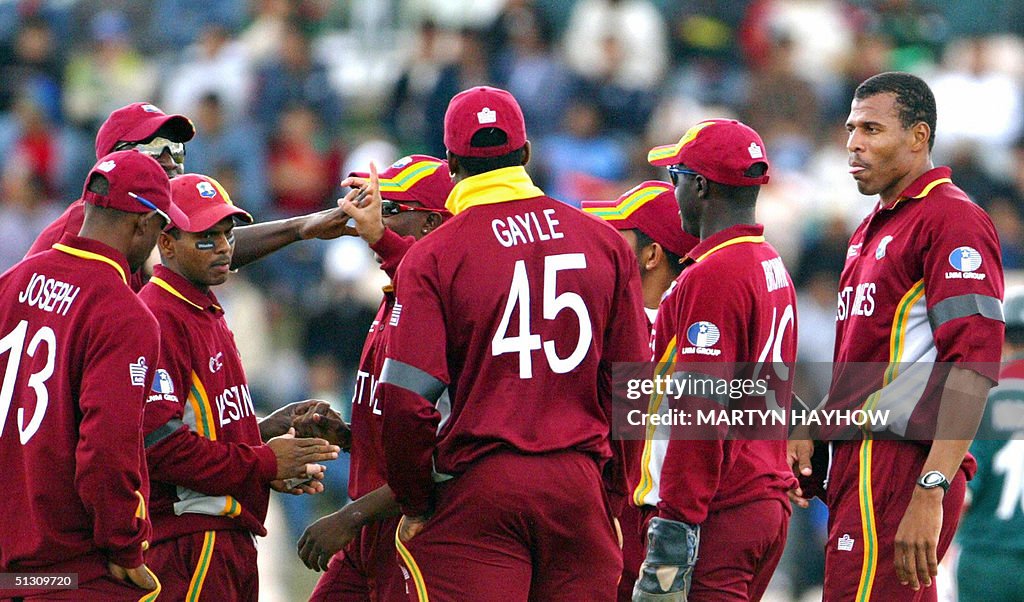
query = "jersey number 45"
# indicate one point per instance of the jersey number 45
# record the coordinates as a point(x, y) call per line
point(525, 343)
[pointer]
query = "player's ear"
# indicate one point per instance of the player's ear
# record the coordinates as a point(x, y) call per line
point(702, 186)
point(526, 153)
point(165, 244)
point(653, 254)
point(433, 220)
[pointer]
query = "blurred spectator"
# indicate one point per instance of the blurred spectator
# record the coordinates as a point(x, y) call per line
point(1008, 222)
point(515, 16)
point(30, 141)
point(303, 163)
point(31, 66)
point(264, 36)
point(176, 23)
point(529, 70)
point(782, 106)
point(109, 74)
point(917, 31)
point(405, 112)
point(294, 76)
point(824, 253)
point(705, 35)
point(228, 141)
point(978, 102)
point(623, 42)
point(215, 64)
point(471, 68)
point(452, 14)
point(583, 162)
point(24, 211)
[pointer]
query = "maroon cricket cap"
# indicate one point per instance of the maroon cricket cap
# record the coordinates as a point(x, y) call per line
point(140, 121)
point(420, 178)
point(651, 208)
point(204, 202)
point(721, 150)
point(479, 108)
point(130, 173)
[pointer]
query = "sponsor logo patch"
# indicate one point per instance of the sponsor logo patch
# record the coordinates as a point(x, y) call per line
point(487, 115)
point(206, 190)
point(702, 334)
point(965, 259)
point(846, 543)
point(880, 251)
point(137, 372)
point(162, 382)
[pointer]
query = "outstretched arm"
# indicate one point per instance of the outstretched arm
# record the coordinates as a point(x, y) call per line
point(259, 240)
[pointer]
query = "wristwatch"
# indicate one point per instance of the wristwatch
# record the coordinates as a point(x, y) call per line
point(933, 479)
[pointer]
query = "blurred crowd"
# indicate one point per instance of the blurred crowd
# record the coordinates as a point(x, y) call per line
point(289, 96)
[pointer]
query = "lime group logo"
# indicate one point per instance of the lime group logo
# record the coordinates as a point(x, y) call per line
point(965, 259)
point(702, 334)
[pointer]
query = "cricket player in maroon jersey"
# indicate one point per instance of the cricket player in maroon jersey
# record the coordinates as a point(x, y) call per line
point(355, 546)
point(922, 286)
point(79, 349)
point(143, 127)
point(723, 510)
point(647, 216)
point(517, 306)
point(210, 472)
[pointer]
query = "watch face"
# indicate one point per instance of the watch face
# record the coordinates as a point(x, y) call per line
point(932, 479)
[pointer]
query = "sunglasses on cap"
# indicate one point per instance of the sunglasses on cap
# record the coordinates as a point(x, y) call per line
point(390, 208)
point(152, 205)
point(156, 147)
point(674, 171)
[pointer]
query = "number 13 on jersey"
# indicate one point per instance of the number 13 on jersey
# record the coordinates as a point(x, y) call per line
point(526, 342)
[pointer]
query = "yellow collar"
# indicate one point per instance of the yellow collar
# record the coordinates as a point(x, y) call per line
point(94, 256)
point(498, 186)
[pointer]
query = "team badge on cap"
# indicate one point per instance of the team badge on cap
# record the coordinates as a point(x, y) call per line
point(487, 115)
point(965, 259)
point(702, 334)
point(206, 190)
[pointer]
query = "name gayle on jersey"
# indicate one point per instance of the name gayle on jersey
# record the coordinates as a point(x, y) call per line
point(49, 294)
point(526, 228)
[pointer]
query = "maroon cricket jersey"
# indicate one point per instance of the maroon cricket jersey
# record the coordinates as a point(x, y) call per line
point(923, 283)
point(734, 304)
point(71, 222)
point(366, 469)
point(78, 349)
point(517, 306)
point(208, 466)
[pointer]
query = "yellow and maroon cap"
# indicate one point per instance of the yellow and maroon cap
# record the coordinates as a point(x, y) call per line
point(204, 201)
point(420, 178)
point(651, 208)
point(721, 150)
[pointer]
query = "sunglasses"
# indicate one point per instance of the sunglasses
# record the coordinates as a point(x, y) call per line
point(674, 171)
point(390, 208)
point(151, 205)
point(156, 147)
